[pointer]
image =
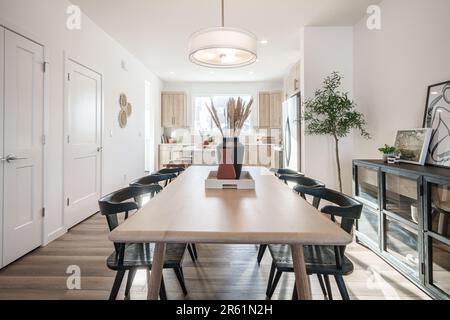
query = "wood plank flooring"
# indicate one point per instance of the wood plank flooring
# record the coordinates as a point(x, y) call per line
point(222, 272)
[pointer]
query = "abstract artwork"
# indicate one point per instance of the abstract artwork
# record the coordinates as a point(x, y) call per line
point(437, 117)
point(412, 145)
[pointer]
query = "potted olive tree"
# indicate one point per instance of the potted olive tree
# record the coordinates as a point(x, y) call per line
point(332, 113)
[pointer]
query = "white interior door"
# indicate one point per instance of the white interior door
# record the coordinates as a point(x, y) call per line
point(22, 158)
point(2, 59)
point(82, 167)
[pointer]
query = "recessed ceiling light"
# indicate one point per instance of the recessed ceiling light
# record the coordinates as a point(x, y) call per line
point(250, 72)
point(264, 42)
point(435, 93)
point(211, 72)
point(171, 72)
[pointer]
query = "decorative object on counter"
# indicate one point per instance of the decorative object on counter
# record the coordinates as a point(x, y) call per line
point(387, 151)
point(332, 113)
point(392, 159)
point(125, 110)
point(412, 145)
point(437, 117)
point(231, 151)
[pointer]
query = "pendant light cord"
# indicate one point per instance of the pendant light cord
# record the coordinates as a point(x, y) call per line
point(223, 13)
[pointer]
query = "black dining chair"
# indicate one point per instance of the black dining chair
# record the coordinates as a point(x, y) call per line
point(302, 181)
point(279, 172)
point(166, 178)
point(177, 171)
point(321, 260)
point(134, 256)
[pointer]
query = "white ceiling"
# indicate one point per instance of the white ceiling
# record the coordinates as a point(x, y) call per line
point(157, 31)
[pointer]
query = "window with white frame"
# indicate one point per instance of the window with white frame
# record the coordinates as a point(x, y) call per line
point(202, 121)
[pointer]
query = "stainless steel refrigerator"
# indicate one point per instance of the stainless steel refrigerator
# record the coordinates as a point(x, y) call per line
point(292, 133)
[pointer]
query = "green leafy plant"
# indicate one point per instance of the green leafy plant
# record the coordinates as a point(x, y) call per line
point(331, 112)
point(387, 149)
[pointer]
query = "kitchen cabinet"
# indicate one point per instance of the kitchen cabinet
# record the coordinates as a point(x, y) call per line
point(270, 110)
point(292, 81)
point(173, 110)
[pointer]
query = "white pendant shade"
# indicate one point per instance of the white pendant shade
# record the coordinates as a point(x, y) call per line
point(223, 48)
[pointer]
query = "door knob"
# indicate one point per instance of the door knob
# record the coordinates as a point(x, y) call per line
point(99, 149)
point(11, 157)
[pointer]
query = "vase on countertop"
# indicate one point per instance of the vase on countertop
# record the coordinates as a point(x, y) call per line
point(230, 153)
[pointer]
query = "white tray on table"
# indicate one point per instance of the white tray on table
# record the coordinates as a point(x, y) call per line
point(245, 183)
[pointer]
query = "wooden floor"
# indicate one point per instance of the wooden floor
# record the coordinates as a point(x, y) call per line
point(222, 272)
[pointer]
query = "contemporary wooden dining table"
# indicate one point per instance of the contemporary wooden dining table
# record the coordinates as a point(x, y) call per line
point(186, 212)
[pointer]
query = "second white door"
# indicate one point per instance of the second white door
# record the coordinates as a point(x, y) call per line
point(82, 165)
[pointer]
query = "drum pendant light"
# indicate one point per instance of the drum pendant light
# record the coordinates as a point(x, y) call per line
point(223, 47)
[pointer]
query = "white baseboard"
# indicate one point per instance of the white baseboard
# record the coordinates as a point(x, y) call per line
point(54, 235)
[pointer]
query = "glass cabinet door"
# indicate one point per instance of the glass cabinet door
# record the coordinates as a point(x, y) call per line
point(369, 225)
point(401, 242)
point(440, 265)
point(439, 221)
point(367, 185)
point(438, 235)
point(401, 197)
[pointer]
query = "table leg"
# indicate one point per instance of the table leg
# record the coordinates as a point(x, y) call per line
point(157, 269)
point(301, 277)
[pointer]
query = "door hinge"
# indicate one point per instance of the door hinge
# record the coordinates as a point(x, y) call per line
point(43, 212)
point(421, 191)
point(44, 66)
point(68, 139)
point(68, 76)
point(44, 139)
point(423, 268)
point(68, 201)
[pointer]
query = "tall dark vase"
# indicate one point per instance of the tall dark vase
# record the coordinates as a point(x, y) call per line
point(236, 151)
point(236, 163)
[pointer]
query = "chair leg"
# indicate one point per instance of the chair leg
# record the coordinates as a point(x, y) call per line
point(262, 250)
point(131, 274)
point(162, 290)
point(274, 284)
point(116, 285)
point(272, 274)
point(342, 288)
point(179, 274)
point(327, 283)
point(295, 293)
point(322, 286)
point(194, 249)
point(191, 253)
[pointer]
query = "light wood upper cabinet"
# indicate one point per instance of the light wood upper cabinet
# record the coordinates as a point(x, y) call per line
point(270, 109)
point(276, 109)
point(264, 110)
point(292, 81)
point(173, 110)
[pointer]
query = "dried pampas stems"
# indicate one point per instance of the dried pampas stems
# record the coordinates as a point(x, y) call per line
point(237, 113)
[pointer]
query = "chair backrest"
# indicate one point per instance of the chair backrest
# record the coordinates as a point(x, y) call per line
point(153, 179)
point(123, 201)
point(345, 207)
point(279, 172)
point(176, 171)
point(302, 183)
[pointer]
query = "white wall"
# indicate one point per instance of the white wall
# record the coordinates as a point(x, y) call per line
point(324, 50)
point(123, 156)
point(193, 89)
point(395, 65)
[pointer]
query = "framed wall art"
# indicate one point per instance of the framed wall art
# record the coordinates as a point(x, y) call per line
point(437, 118)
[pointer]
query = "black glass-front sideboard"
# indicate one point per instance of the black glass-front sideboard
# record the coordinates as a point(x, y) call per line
point(406, 220)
